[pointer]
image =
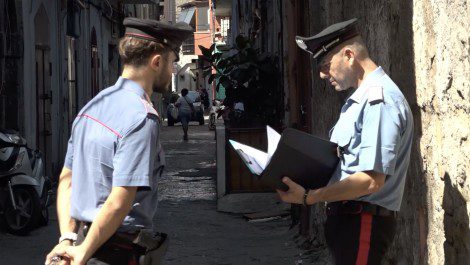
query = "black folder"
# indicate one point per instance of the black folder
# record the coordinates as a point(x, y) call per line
point(306, 159)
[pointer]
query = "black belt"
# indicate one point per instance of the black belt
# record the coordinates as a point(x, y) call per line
point(142, 241)
point(124, 239)
point(357, 207)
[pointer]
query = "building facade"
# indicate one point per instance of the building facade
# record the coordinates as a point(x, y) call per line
point(189, 71)
point(54, 57)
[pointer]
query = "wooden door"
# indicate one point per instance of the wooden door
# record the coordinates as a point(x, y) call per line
point(239, 179)
point(43, 105)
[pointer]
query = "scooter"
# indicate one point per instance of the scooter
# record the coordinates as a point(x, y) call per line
point(215, 108)
point(25, 192)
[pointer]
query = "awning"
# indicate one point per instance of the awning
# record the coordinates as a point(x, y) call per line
point(186, 15)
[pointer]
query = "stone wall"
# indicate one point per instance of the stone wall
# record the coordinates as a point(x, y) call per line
point(441, 54)
point(424, 46)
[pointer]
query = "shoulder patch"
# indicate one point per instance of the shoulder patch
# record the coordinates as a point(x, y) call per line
point(375, 94)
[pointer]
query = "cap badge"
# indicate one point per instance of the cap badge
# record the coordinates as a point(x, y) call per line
point(301, 44)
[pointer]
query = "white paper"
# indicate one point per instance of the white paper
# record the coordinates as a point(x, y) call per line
point(256, 160)
point(273, 140)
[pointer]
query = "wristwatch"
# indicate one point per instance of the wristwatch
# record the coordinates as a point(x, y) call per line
point(68, 236)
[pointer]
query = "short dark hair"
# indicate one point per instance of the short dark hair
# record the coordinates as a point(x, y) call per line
point(184, 92)
point(136, 52)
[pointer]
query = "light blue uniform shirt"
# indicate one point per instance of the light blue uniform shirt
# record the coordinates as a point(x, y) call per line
point(375, 129)
point(115, 142)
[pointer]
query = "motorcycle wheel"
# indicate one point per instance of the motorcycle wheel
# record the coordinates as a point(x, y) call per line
point(24, 219)
point(45, 200)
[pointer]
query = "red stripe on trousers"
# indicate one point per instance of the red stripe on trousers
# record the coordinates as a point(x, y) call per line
point(364, 239)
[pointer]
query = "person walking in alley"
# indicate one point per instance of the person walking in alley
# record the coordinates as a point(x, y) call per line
point(107, 191)
point(374, 132)
point(185, 110)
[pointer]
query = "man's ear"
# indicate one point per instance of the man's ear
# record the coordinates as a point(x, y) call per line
point(349, 55)
point(156, 61)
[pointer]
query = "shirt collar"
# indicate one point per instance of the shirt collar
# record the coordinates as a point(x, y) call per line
point(135, 88)
point(132, 86)
point(371, 78)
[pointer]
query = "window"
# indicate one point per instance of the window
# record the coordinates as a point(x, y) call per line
point(202, 19)
point(186, 15)
point(188, 46)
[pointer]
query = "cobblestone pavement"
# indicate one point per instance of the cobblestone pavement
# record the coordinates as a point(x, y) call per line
point(31, 249)
point(187, 212)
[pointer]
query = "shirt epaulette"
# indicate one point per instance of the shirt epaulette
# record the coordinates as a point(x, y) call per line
point(375, 94)
point(149, 108)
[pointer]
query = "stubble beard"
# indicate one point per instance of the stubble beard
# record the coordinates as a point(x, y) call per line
point(162, 86)
point(346, 82)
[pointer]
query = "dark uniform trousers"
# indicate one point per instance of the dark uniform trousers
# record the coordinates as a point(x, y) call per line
point(359, 233)
point(118, 250)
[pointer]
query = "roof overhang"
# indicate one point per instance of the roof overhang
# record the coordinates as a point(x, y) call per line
point(195, 3)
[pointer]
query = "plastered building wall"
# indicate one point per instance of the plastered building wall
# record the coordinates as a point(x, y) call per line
point(441, 55)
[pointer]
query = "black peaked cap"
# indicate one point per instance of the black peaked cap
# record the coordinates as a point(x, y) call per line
point(171, 35)
point(326, 40)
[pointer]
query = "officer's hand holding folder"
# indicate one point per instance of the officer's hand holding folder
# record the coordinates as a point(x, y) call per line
point(306, 159)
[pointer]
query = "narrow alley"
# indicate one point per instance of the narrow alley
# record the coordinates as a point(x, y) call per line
point(321, 67)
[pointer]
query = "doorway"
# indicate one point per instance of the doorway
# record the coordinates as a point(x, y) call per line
point(43, 72)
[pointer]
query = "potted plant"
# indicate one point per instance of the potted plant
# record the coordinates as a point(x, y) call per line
point(254, 95)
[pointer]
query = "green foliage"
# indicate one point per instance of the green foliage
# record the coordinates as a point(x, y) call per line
point(250, 78)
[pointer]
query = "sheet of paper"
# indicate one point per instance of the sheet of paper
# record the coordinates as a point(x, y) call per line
point(255, 159)
point(273, 141)
point(250, 162)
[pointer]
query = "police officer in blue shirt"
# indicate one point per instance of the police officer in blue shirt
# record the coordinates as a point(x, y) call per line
point(108, 187)
point(374, 131)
